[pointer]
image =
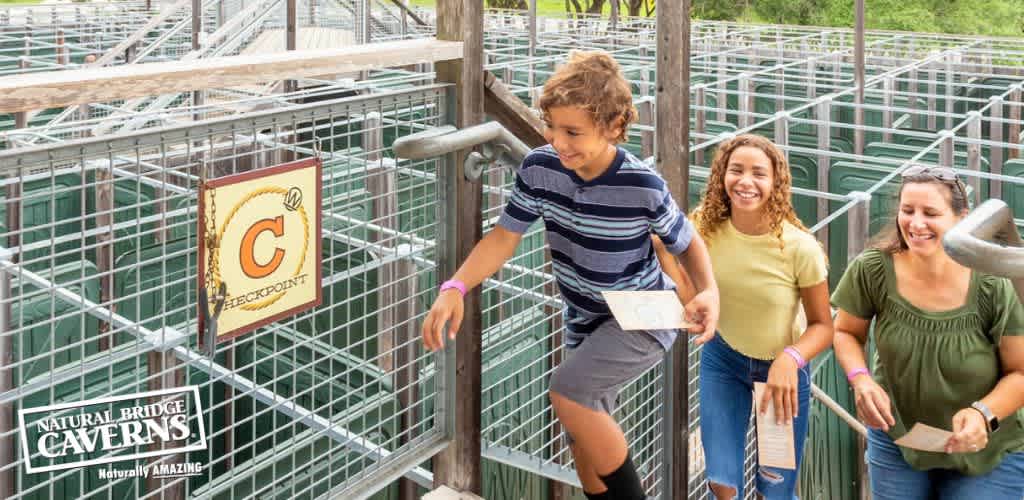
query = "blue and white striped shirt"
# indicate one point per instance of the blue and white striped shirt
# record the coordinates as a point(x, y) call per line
point(599, 231)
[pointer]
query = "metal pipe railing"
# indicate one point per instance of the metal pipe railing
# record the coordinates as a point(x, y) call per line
point(975, 242)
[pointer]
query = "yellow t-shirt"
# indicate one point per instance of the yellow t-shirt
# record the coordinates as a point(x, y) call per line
point(759, 285)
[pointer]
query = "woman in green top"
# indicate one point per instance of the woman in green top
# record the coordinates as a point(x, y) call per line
point(950, 354)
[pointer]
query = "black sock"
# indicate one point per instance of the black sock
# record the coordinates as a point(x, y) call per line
point(605, 495)
point(624, 483)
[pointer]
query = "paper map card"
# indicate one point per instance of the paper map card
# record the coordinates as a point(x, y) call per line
point(647, 309)
point(775, 445)
point(925, 438)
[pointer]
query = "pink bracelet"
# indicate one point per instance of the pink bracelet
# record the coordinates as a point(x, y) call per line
point(800, 361)
point(850, 375)
point(456, 284)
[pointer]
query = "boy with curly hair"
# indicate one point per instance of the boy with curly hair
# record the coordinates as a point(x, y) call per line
point(600, 206)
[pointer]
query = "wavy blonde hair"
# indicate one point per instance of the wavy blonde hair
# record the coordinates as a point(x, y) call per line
point(715, 207)
point(592, 80)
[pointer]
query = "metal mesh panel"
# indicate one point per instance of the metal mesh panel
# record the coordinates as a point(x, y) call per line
point(100, 278)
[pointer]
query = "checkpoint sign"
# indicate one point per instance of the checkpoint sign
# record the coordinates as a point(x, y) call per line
point(267, 251)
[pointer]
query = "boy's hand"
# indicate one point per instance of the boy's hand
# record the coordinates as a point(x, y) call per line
point(448, 308)
point(703, 310)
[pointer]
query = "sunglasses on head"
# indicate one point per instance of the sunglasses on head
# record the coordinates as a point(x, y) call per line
point(943, 173)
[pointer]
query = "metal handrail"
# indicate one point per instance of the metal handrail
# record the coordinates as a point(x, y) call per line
point(976, 242)
point(444, 140)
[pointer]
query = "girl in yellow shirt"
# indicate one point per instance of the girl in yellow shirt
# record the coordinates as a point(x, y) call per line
point(766, 264)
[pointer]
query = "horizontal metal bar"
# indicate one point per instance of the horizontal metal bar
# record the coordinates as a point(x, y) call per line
point(11, 159)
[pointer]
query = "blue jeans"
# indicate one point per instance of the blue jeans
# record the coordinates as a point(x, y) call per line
point(892, 477)
point(726, 397)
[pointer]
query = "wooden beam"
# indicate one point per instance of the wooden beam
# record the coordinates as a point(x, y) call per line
point(458, 466)
point(671, 158)
point(510, 111)
point(54, 89)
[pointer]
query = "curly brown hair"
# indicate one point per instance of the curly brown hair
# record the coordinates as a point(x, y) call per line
point(715, 207)
point(592, 80)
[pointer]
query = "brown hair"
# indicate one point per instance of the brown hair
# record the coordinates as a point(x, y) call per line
point(715, 207)
point(890, 240)
point(593, 81)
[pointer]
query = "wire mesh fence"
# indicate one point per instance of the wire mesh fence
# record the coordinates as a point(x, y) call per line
point(99, 281)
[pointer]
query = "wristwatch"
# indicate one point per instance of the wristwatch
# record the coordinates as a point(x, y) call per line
point(991, 422)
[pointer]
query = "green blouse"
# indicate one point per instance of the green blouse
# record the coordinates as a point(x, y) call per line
point(933, 364)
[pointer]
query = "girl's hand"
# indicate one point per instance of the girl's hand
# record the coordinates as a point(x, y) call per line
point(873, 405)
point(781, 388)
point(448, 306)
point(970, 434)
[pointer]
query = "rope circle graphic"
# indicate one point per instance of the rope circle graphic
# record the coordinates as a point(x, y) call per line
point(255, 306)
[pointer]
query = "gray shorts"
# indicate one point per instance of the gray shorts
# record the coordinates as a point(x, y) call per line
point(593, 373)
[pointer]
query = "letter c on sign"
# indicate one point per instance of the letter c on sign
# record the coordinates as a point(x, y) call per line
point(250, 267)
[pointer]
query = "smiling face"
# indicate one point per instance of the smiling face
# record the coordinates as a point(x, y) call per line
point(926, 213)
point(748, 180)
point(582, 145)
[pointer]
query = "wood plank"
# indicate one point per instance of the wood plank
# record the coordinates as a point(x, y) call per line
point(54, 89)
point(510, 111)
point(458, 466)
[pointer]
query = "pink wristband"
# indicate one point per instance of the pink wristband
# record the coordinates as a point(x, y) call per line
point(800, 361)
point(856, 371)
point(456, 284)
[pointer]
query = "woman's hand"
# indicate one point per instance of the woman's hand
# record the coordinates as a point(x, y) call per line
point(873, 405)
point(781, 388)
point(970, 434)
point(448, 307)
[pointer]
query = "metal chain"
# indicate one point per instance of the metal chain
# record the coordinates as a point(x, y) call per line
point(212, 278)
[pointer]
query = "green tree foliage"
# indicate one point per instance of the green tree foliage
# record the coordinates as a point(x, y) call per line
point(507, 4)
point(976, 17)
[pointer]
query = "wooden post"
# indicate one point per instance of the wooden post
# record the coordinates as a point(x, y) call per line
point(723, 89)
point(781, 127)
point(995, 159)
point(823, 110)
point(700, 120)
point(1014, 117)
point(946, 149)
point(912, 88)
point(393, 328)
point(458, 466)
point(105, 249)
point(21, 117)
point(888, 85)
point(198, 96)
point(672, 160)
point(61, 52)
point(532, 51)
point(933, 87)
point(163, 373)
point(950, 80)
point(291, 38)
point(407, 371)
point(743, 100)
point(812, 73)
point(973, 152)
point(858, 75)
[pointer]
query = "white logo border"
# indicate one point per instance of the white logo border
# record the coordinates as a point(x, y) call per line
point(117, 458)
